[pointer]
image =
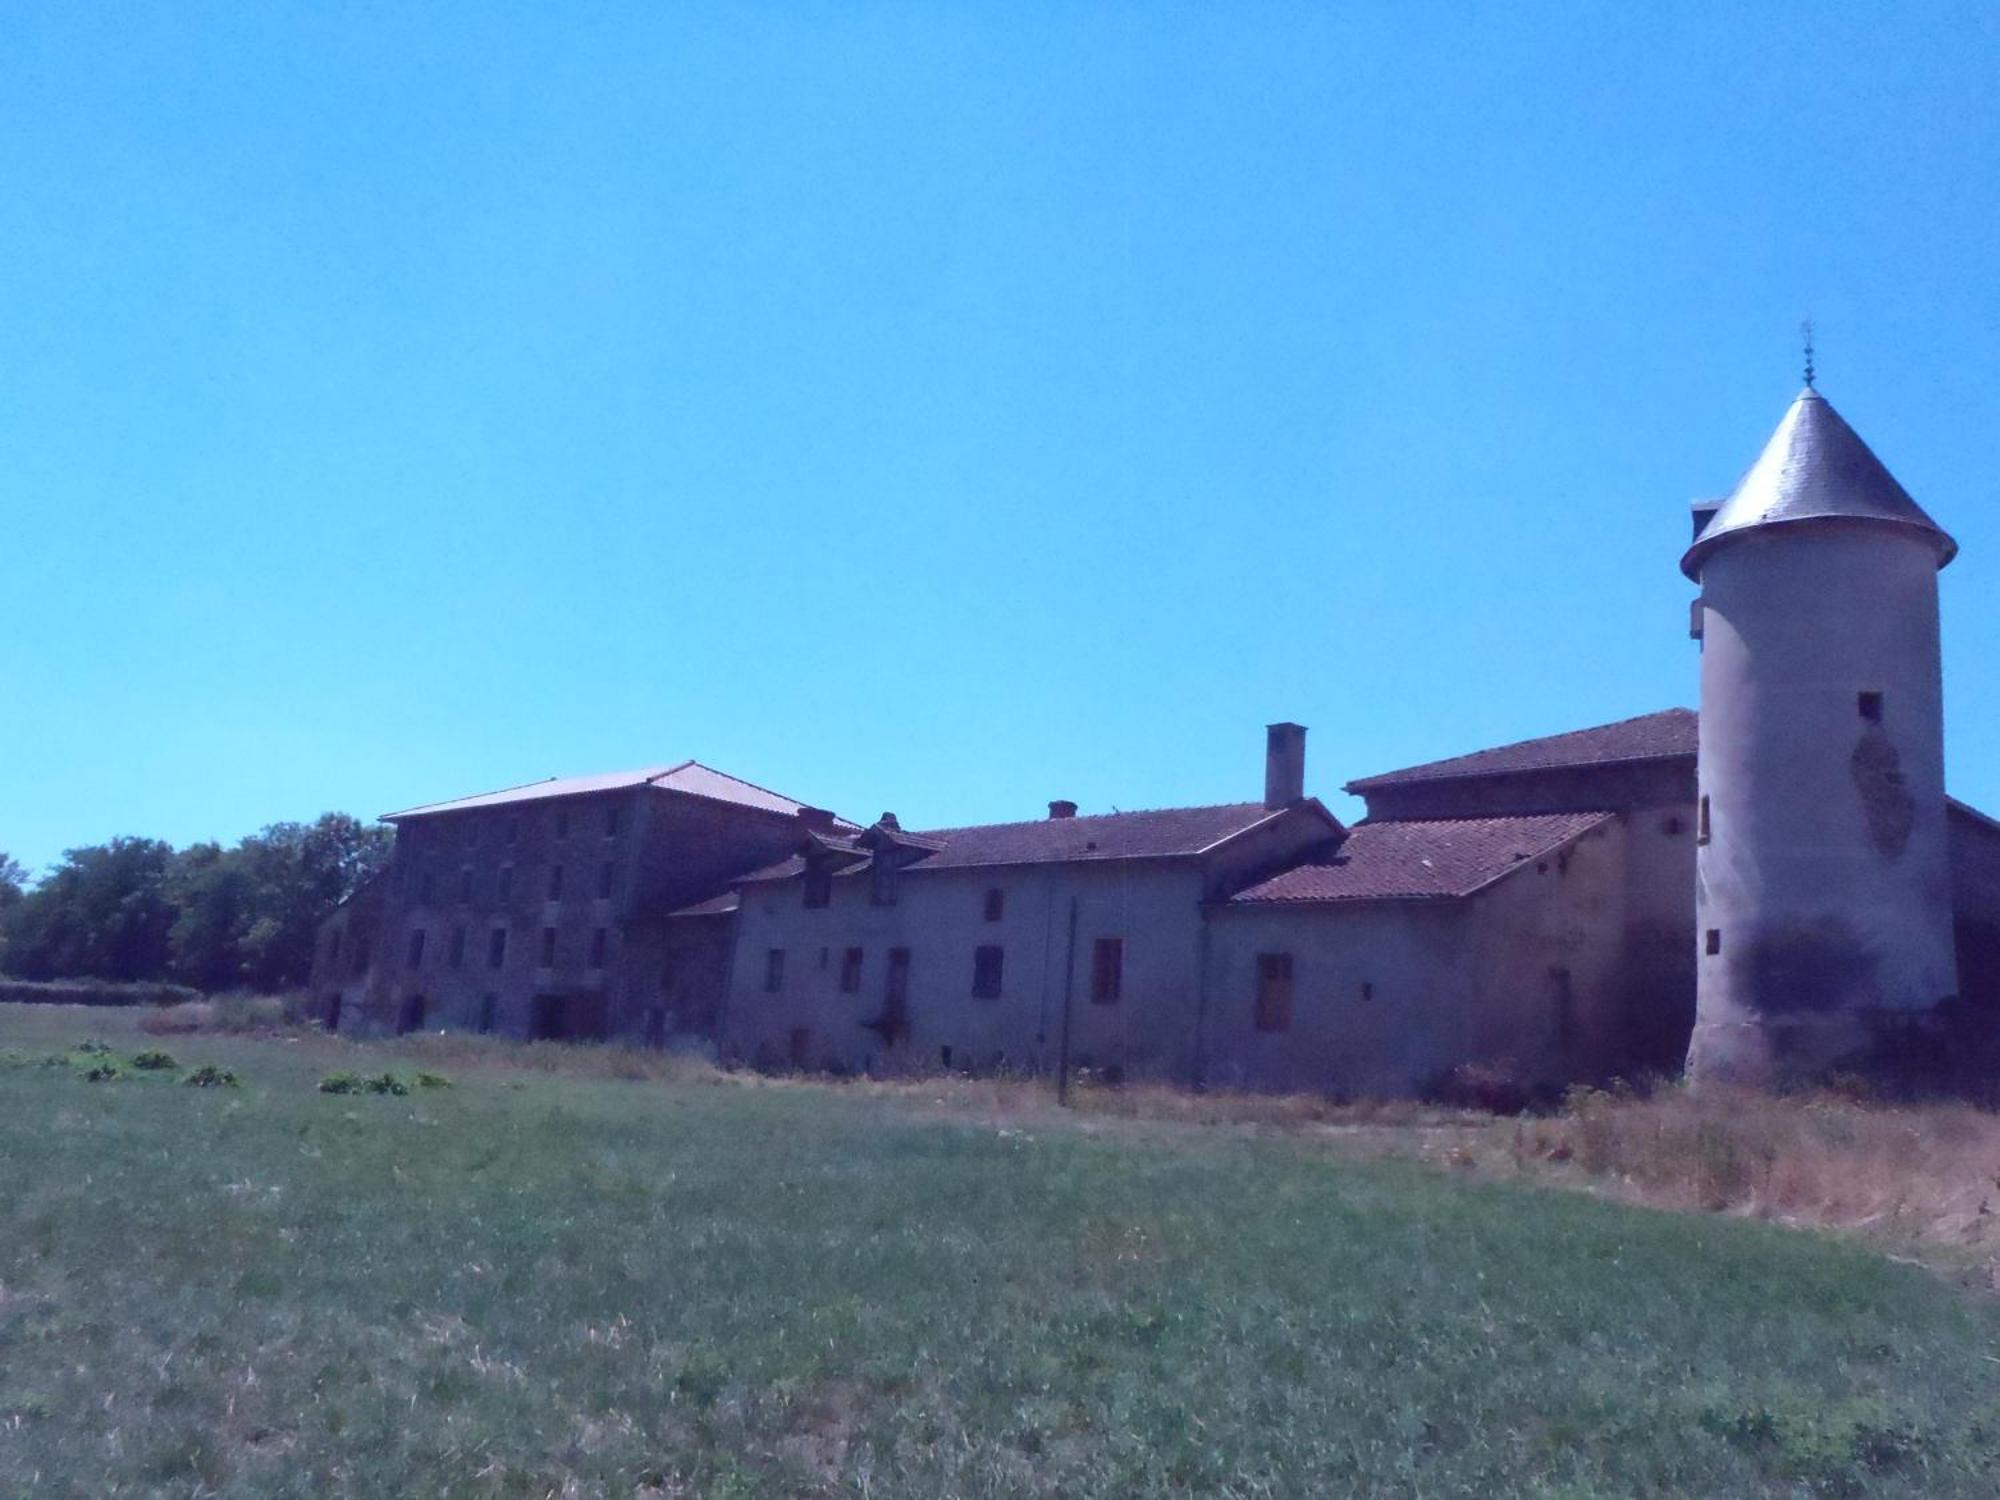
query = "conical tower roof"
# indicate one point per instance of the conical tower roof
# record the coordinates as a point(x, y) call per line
point(1814, 468)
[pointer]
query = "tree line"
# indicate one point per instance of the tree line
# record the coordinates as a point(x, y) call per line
point(206, 916)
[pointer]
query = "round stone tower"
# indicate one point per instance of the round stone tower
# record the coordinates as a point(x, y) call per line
point(1823, 912)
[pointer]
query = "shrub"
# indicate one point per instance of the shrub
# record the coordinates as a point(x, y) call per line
point(355, 1083)
point(433, 1081)
point(209, 1076)
point(102, 1072)
point(92, 992)
point(93, 1049)
point(154, 1062)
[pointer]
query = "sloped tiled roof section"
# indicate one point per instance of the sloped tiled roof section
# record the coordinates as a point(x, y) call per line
point(1423, 860)
point(1164, 833)
point(689, 776)
point(1667, 735)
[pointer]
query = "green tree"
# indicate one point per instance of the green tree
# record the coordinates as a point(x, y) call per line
point(103, 912)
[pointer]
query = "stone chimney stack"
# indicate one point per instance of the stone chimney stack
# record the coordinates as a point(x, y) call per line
point(1284, 765)
point(818, 819)
point(1062, 809)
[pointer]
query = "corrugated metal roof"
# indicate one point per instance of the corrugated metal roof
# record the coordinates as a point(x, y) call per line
point(1417, 860)
point(1815, 467)
point(1666, 735)
point(689, 777)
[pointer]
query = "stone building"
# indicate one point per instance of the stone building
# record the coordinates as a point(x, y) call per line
point(1785, 867)
point(542, 911)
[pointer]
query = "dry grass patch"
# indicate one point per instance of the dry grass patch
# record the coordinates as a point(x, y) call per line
point(1923, 1178)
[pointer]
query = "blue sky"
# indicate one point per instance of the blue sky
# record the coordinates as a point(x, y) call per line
point(935, 407)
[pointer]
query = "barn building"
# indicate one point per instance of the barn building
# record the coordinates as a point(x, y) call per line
point(1767, 880)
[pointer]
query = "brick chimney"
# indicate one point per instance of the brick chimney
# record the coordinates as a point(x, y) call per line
point(1062, 809)
point(818, 819)
point(1284, 764)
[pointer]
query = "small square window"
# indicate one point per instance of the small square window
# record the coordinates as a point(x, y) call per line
point(1869, 706)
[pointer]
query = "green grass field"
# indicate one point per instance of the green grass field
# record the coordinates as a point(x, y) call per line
point(530, 1284)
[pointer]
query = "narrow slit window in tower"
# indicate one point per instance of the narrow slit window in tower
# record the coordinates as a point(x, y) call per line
point(1714, 941)
point(1701, 821)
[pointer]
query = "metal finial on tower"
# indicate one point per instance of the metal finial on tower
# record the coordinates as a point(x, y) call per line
point(1806, 330)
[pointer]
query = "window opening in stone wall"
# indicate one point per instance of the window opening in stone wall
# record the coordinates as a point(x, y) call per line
point(850, 972)
point(412, 1016)
point(1367, 989)
point(1107, 970)
point(1869, 706)
point(1714, 944)
point(1562, 998)
point(1274, 991)
point(986, 964)
point(996, 904)
point(496, 948)
point(1701, 829)
point(487, 1005)
point(819, 883)
point(774, 970)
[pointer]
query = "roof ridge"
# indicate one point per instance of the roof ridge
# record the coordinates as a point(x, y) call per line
point(1409, 772)
point(1124, 812)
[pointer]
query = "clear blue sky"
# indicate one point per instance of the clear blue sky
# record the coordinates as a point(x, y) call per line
point(937, 407)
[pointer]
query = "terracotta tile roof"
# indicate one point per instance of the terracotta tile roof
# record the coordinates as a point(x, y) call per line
point(689, 776)
point(1667, 735)
point(1444, 857)
point(1164, 833)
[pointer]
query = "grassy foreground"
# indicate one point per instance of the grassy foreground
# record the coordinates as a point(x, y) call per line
point(531, 1284)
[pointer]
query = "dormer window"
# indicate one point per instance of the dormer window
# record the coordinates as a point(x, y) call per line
point(819, 882)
